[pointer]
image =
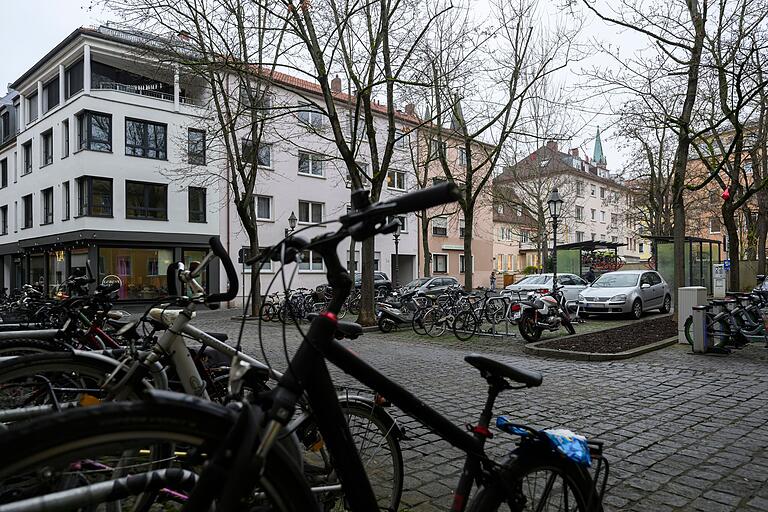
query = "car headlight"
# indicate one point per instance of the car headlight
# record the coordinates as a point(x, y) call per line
point(619, 298)
point(581, 297)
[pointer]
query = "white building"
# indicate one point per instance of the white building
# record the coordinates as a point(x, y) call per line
point(86, 137)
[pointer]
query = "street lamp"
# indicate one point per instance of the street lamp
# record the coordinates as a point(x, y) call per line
point(396, 238)
point(555, 204)
point(292, 223)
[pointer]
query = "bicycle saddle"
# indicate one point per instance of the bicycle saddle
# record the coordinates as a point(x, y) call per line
point(499, 369)
point(344, 328)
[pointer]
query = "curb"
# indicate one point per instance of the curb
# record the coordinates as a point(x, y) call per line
point(593, 356)
point(239, 318)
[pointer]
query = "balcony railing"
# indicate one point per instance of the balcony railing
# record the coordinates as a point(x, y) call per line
point(143, 91)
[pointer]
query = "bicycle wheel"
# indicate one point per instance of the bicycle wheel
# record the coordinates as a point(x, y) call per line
point(418, 321)
point(267, 312)
point(160, 445)
point(465, 325)
point(494, 311)
point(379, 449)
point(542, 483)
point(29, 346)
point(434, 322)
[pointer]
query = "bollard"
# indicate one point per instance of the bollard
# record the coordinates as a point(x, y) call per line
point(700, 338)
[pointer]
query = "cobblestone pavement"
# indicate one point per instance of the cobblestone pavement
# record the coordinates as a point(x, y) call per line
point(683, 432)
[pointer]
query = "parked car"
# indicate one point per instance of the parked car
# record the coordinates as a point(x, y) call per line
point(626, 291)
point(572, 285)
point(380, 281)
point(429, 284)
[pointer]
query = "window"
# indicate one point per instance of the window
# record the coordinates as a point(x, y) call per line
point(500, 208)
point(73, 78)
point(146, 200)
point(51, 94)
point(26, 151)
point(46, 198)
point(146, 139)
point(3, 173)
point(602, 192)
point(580, 189)
point(579, 213)
point(462, 228)
point(592, 190)
point(32, 107)
point(641, 247)
point(593, 213)
point(263, 208)
point(94, 131)
point(615, 239)
point(310, 164)
point(714, 225)
point(440, 263)
point(524, 237)
point(46, 140)
point(615, 197)
point(402, 139)
point(579, 236)
point(65, 201)
point(196, 146)
point(440, 226)
point(594, 236)
point(311, 261)
point(65, 138)
point(436, 148)
point(5, 126)
point(614, 219)
point(26, 203)
point(310, 212)
point(197, 204)
point(462, 156)
point(263, 157)
point(403, 223)
point(94, 196)
point(4, 220)
point(396, 180)
point(462, 266)
point(437, 181)
point(602, 215)
point(143, 271)
point(311, 115)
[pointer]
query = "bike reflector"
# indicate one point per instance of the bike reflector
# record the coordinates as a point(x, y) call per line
point(516, 307)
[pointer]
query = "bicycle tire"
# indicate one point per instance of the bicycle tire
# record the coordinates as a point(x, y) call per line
point(267, 312)
point(687, 327)
point(575, 479)
point(432, 324)
point(417, 323)
point(195, 426)
point(465, 325)
point(29, 346)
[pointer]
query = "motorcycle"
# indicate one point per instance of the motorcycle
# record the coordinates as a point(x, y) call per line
point(544, 311)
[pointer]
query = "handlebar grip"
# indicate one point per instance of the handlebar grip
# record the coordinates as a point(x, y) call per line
point(430, 197)
point(229, 268)
point(171, 275)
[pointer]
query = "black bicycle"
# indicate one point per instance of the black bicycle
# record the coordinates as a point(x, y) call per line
point(245, 459)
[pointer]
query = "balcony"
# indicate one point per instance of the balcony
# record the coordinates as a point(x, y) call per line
point(145, 90)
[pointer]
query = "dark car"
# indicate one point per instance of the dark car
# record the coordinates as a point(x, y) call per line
point(380, 281)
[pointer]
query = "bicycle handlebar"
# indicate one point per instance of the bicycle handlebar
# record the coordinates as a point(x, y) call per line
point(229, 268)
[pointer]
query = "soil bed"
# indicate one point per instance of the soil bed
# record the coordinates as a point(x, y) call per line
point(618, 339)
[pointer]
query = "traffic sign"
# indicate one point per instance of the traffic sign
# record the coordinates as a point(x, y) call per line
point(727, 264)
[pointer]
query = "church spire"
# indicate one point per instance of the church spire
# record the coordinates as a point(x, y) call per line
point(599, 157)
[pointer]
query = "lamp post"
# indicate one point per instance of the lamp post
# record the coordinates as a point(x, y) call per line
point(396, 238)
point(292, 223)
point(555, 204)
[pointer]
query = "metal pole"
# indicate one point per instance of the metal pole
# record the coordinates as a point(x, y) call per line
point(397, 261)
point(554, 252)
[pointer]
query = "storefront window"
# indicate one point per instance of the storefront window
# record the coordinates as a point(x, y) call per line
point(57, 270)
point(37, 269)
point(78, 259)
point(196, 256)
point(142, 271)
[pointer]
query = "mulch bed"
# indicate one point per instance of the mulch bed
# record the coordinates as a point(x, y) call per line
point(618, 339)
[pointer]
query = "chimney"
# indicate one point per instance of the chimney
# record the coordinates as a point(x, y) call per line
point(552, 145)
point(410, 109)
point(575, 152)
point(336, 85)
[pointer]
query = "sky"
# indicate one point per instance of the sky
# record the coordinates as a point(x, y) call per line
point(55, 19)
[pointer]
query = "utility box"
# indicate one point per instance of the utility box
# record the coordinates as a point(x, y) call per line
point(718, 280)
point(699, 330)
point(687, 297)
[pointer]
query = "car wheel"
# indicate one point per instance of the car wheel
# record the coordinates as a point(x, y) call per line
point(667, 306)
point(637, 309)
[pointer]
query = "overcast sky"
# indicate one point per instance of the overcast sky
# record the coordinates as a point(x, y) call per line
point(55, 19)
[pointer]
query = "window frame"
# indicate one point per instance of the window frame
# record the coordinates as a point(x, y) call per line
point(435, 258)
point(65, 138)
point(26, 157)
point(146, 197)
point(47, 89)
point(205, 205)
point(32, 100)
point(312, 161)
point(161, 154)
point(4, 220)
point(271, 217)
point(27, 218)
point(85, 140)
point(310, 220)
point(88, 180)
point(46, 148)
point(66, 206)
point(397, 173)
point(445, 228)
point(311, 269)
point(4, 173)
point(311, 115)
point(68, 73)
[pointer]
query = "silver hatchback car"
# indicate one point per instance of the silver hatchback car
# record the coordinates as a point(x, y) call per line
point(626, 291)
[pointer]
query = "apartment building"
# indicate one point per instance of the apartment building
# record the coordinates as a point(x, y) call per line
point(597, 206)
point(88, 133)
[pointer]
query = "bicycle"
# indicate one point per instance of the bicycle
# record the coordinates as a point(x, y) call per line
point(489, 308)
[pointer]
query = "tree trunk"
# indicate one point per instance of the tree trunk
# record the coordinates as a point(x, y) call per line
point(425, 244)
point(733, 247)
point(762, 232)
point(468, 218)
point(367, 314)
point(255, 281)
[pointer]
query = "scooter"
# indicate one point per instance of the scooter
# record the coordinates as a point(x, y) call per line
point(391, 316)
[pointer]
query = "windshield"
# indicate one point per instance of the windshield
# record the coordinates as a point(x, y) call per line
point(538, 280)
point(616, 281)
point(416, 283)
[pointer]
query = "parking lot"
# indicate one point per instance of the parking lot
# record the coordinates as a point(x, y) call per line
point(683, 432)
